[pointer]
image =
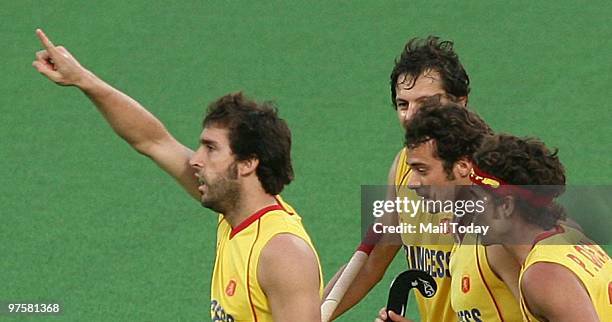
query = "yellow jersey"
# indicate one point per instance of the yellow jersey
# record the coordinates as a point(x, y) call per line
point(429, 252)
point(235, 291)
point(477, 293)
point(568, 247)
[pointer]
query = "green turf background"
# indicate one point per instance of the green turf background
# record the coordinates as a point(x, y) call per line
point(88, 222)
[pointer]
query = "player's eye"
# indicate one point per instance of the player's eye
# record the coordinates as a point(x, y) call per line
point(429, 100)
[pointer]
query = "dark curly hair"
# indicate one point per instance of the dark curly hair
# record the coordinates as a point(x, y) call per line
point(255, 131)
point(529, 163)
point(456, 131)
point(421, 55)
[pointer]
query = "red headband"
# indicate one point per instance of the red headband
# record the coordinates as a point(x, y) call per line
point(502, 188)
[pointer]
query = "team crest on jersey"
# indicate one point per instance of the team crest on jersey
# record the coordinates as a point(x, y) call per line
point(465, 283)
point(231, 288)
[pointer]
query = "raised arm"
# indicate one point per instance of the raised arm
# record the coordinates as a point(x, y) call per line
point(288, 273)
point(132, 122)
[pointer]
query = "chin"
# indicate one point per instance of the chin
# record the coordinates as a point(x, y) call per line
point(484, 241)
point(463, 220)
point(488, 241)
point(210, 204)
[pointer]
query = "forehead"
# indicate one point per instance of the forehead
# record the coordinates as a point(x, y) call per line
point(427, 84)
point(423, 154)
point(216, 134)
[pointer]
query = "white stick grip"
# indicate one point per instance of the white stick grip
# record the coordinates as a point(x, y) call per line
point(342, 284)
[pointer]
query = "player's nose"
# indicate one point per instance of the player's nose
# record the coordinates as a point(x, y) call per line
point(196, 161)
point(414, 182)
point(407, 115)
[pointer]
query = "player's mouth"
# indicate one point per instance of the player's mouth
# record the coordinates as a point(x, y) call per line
point(423, 193)
point(464, 220)
point(201, 183)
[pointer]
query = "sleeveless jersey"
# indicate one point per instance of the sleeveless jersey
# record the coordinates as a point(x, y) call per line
point(478, 294)
point(235, 291)
point(589, 262)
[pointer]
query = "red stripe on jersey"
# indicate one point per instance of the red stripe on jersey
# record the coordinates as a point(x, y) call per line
point(487, 285)
point(252, 218)
point(248, 286)
point(540, 237)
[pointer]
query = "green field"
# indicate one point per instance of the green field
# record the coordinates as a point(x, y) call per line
point(89, 223)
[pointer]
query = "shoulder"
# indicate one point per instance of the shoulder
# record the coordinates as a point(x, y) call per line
point(287, 247)
point(400, 157)
point(289, 276)
point(546, 288)
point(287, 258)
point(540, 276)
point(398, 163)
point(547, 273)
point(281, 222)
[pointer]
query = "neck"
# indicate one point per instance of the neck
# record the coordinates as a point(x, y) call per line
point(521, 241)
point(250, 202)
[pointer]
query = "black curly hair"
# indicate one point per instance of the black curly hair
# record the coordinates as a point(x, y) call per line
point(526, 162)
point(256, 131)
point(421, 55)
point(456, 131)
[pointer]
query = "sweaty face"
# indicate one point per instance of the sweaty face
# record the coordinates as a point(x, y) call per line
point(411, 94)
point(216, 169)
point(428, 177)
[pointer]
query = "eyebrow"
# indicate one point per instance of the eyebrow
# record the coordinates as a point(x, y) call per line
point(417, 164)
point(422, 97)
point(207, 141)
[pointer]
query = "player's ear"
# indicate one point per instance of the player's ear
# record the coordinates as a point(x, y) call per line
point(507, 206)
point(248, 166)
point(462, 100)
point(462, 167)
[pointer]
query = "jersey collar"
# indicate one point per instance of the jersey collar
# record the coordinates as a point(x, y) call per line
point(254, 217)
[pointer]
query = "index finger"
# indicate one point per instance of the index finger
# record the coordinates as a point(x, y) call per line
point(44, 40)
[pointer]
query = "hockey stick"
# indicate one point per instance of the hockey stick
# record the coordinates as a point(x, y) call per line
point(401, 286)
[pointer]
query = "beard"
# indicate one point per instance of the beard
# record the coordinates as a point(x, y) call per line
point(223, 193)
